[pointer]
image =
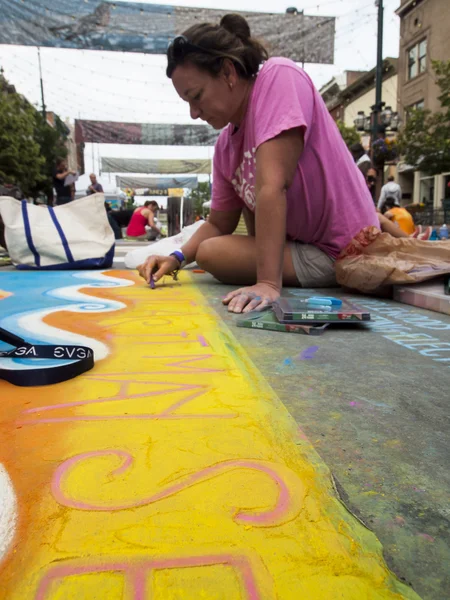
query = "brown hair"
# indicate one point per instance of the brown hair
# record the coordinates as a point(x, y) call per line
point(207, 46)
point(152, 203)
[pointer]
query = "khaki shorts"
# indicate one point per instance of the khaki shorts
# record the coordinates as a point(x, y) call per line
point(313, 267)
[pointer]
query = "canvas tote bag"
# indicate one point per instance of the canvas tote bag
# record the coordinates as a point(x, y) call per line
point(76, 235)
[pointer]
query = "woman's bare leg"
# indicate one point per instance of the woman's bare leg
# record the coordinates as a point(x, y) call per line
point(232, 259)
point(249, 219)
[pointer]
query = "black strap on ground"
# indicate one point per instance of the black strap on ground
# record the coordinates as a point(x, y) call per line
point(82, 357)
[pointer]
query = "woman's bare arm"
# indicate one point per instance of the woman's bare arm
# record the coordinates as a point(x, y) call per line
point(151, 221)
point(276, 162)
point(63, 175)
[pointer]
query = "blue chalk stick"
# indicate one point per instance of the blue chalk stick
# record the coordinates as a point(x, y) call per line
point(325, 301)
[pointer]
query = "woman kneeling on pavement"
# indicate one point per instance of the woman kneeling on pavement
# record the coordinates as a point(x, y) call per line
point(279, 158)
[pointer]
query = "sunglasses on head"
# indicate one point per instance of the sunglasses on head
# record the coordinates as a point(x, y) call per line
point(180, 46)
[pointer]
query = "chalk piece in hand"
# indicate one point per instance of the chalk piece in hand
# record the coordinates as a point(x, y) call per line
point(152, 282)
point(198, 271)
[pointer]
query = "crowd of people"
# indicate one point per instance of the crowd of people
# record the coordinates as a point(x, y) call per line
point(137, 229)
point(141, 223)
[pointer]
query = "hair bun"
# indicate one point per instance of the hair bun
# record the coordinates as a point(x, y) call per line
point(237, 25)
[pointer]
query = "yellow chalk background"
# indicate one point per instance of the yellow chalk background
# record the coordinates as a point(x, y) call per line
point(221, 533)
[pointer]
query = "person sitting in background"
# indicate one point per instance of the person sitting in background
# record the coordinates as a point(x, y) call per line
point(123, 216)
point(112, 222)
point(64, 193)
point(390, 189)
point(143, 216)
point(9, 189)
point(95, 186)
point(399, 215)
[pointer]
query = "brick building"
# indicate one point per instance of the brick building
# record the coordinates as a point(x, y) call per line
point(424, 36)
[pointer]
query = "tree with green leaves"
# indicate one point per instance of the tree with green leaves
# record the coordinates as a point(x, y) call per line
point(51, 141)
point(21, 162)
point(425, 139)
point(349, 134)
point(199, 196)
point(29, 146)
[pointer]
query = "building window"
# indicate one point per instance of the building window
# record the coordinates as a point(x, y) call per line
point(420, 105)
point(423, 56)
point(417, 59)
point(412, 62)
point(427, 191)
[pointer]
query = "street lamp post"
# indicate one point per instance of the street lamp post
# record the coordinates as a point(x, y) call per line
point(372, 123)
point(381, 117)
point(44, 112)
point(378, 106)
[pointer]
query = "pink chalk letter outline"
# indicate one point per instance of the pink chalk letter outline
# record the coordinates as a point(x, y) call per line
point(270, 517)
point(192, 391)
point(136, 572)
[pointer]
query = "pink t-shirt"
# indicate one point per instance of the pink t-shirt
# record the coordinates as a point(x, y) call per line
point(328, 202)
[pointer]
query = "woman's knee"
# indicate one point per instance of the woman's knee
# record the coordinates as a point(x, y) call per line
point(216, 256)
point(206, 252)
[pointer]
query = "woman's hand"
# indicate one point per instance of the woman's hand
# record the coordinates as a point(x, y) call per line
point(159, 265)
point(255, 297)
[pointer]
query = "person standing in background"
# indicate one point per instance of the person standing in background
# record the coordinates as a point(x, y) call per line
point(95, 186)
point(64, 193)
point(361, 158)
point(391, 189)
point(371, 180)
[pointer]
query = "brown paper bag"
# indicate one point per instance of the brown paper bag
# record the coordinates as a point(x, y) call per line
point(374, 260)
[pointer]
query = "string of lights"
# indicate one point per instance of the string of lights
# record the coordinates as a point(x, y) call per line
point(149, 82)
point(83, 107)
point(134, 97)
